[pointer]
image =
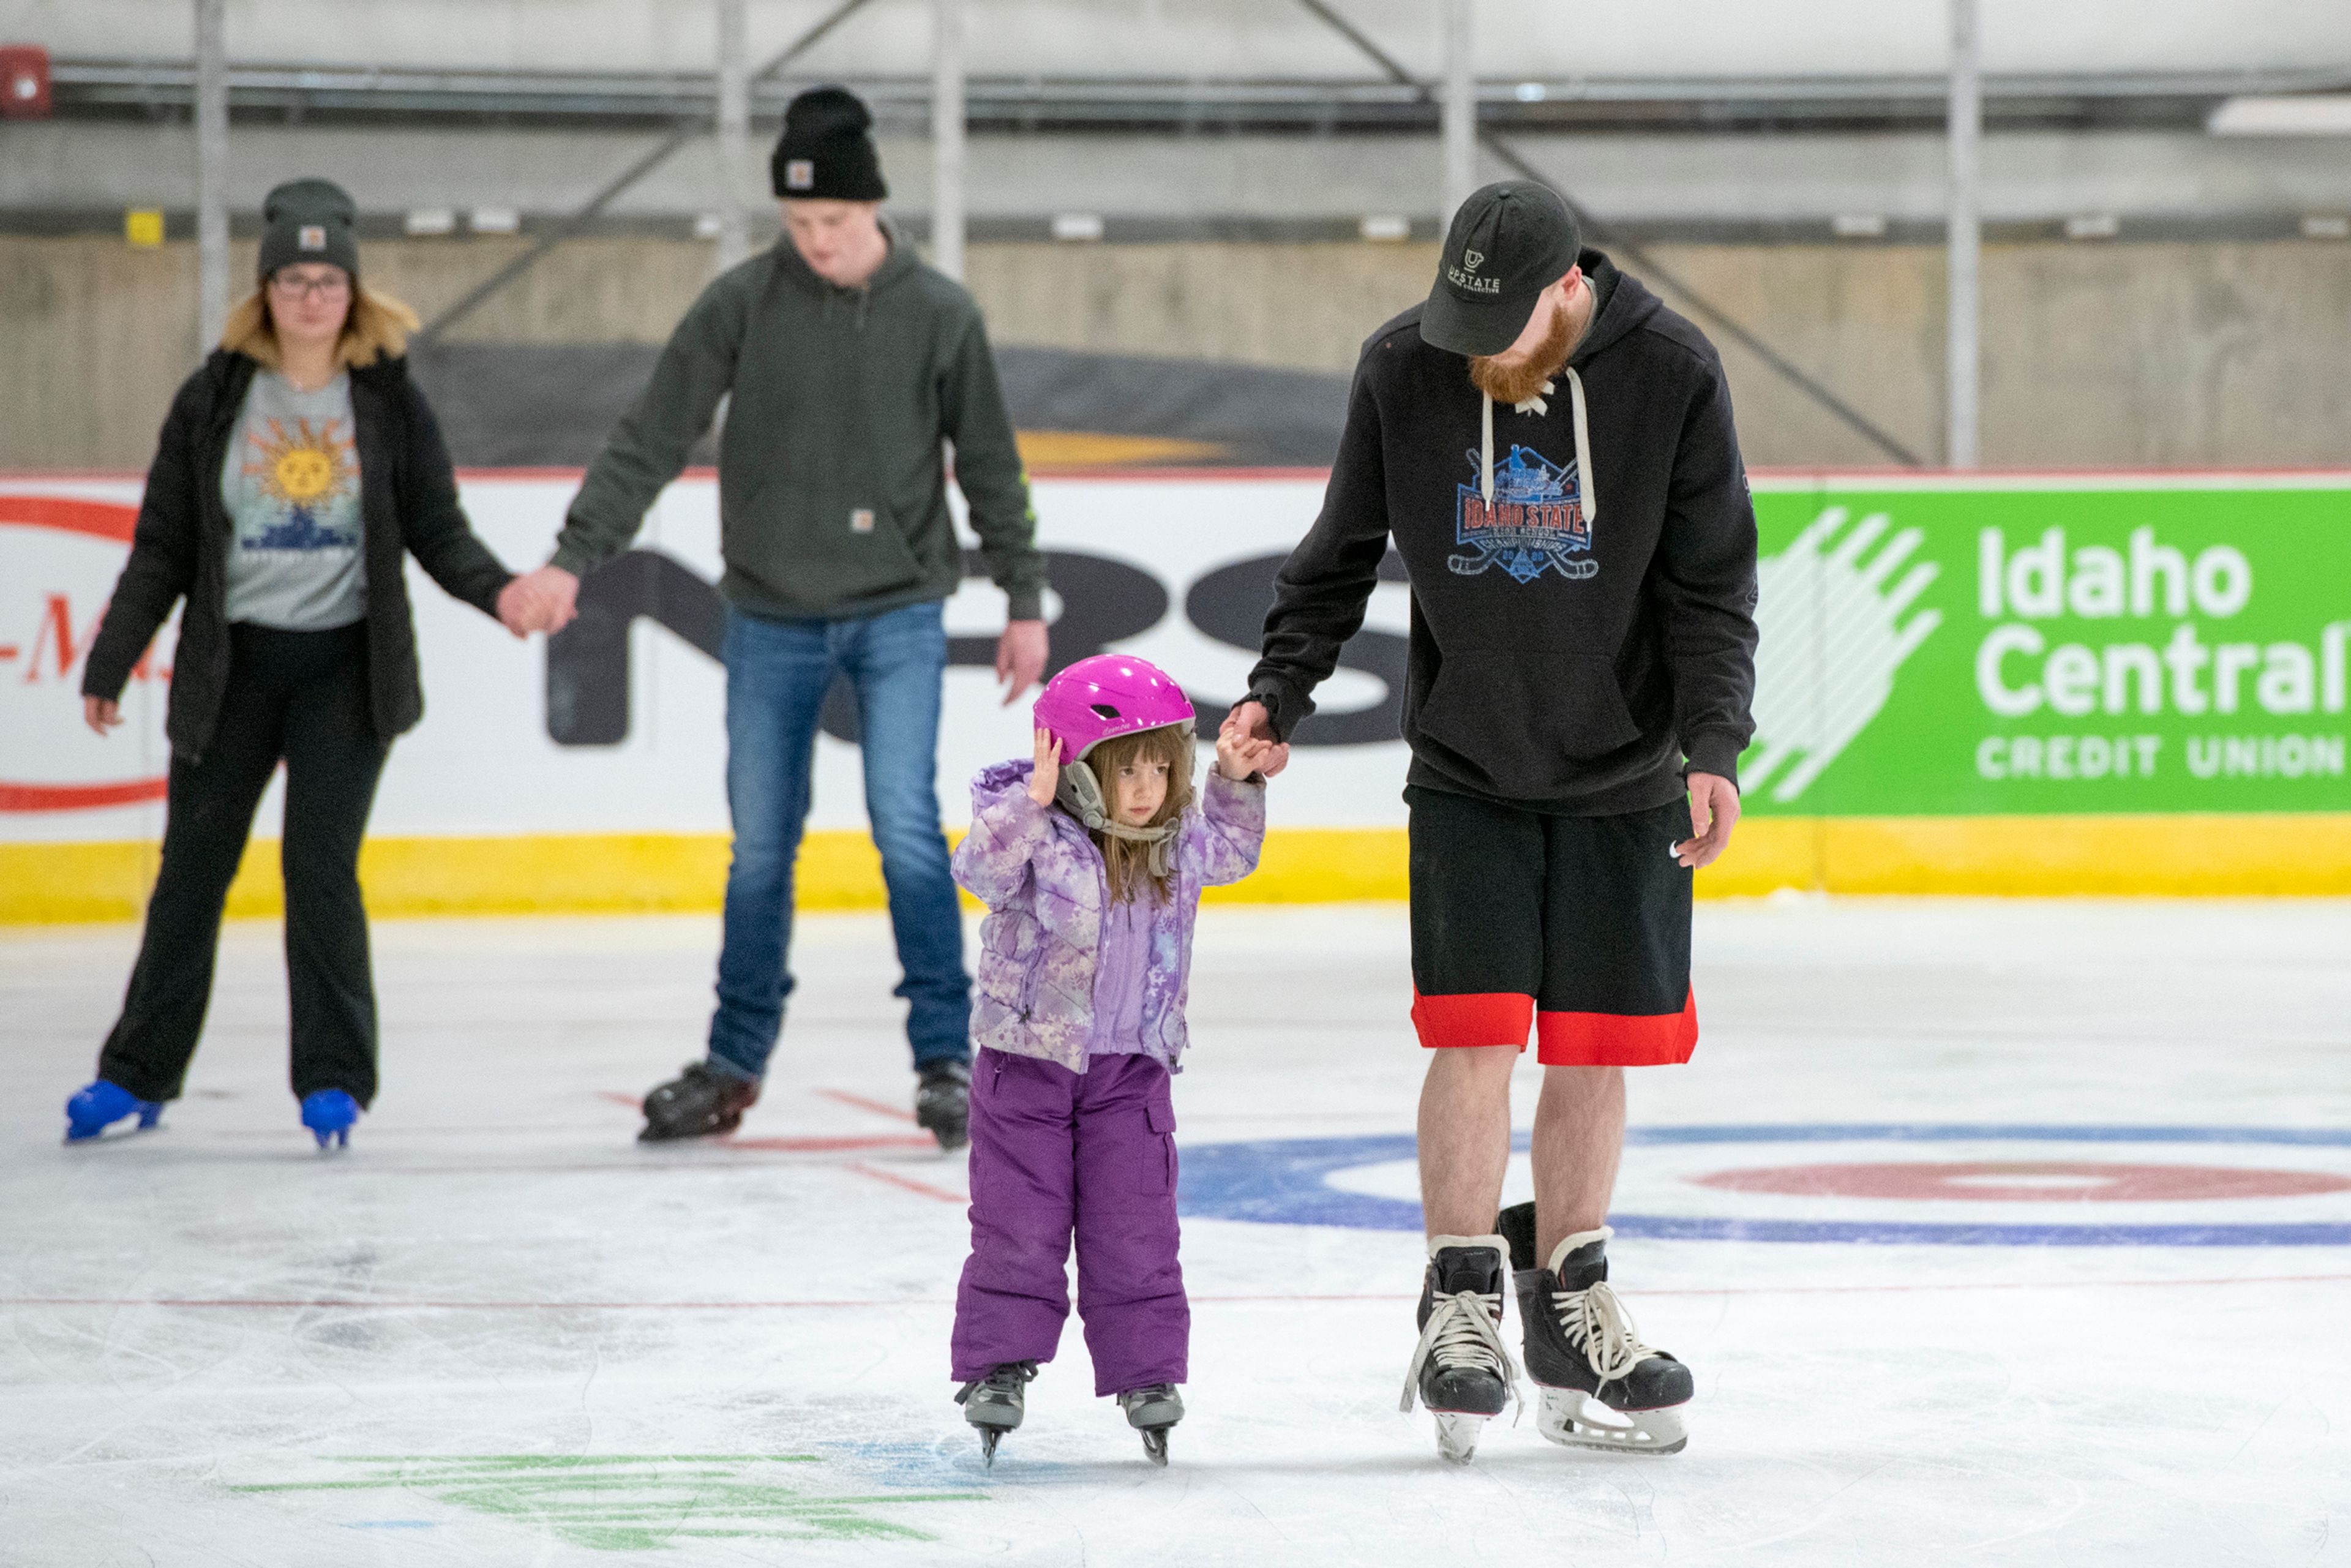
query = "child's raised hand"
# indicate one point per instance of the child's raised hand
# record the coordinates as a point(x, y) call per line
point(1048, 768)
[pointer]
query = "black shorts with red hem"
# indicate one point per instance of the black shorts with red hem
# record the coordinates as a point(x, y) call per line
point(1577, 928)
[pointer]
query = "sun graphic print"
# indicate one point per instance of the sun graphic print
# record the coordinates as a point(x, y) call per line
point(304, 472)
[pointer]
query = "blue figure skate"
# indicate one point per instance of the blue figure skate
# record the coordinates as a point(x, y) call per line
point(101, 1104)
point(329, 1114)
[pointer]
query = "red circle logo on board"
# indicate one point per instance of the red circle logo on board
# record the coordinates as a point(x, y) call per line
point(2027, 1181)
point(58, 558)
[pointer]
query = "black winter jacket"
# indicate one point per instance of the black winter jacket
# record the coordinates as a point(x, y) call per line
point(408, 501)
point(1576, 638)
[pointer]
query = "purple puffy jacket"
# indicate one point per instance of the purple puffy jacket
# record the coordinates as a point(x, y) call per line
point(1040, 875)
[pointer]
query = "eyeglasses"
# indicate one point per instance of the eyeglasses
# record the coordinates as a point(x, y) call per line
point(310, 288)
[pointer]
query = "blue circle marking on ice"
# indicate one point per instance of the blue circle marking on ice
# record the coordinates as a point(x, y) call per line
point(1286, 1181)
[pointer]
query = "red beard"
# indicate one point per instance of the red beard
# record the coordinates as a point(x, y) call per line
point(1520, 380)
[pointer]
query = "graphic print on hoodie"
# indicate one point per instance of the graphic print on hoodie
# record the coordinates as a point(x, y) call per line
point(1534, 524)
point(1561, 658)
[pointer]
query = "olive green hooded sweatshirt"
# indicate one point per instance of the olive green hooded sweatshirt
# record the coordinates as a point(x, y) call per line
point(832, 481)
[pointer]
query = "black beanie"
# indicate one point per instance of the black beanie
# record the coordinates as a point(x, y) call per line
point(827, 150)
point(309, 220)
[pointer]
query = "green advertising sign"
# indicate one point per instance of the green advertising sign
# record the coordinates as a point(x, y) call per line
point(1956, 648)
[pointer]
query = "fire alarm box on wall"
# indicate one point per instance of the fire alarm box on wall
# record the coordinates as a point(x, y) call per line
point(24, 82)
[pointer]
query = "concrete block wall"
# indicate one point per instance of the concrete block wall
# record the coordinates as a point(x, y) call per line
point(2162, 354)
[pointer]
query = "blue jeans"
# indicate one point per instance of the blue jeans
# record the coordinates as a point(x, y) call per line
point(777, 674)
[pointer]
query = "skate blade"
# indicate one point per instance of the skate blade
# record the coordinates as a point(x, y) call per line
point(989, 1439)
point(149, 1120)
point(109, 1134)
point(1575, 1420)
point(1457, 1435)
point(1155, 1446)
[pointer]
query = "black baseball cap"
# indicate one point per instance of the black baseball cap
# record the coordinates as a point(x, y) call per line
point(1510, 242)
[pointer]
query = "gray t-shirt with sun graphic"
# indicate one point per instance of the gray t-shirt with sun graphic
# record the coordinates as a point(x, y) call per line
point(291, 483)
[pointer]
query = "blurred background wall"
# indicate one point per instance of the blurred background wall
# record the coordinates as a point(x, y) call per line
point(1221, 183)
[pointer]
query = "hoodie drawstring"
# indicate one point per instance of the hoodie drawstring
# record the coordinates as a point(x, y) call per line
point(1536, 405)
point(1587, 495)
point(1485, 446)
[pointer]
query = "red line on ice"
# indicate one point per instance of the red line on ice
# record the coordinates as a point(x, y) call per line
point(822, 1146)
point(909, 1183)
point(863, 1104)
point(393, 1305)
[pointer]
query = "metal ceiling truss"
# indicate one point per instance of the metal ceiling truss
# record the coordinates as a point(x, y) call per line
point(130, 88)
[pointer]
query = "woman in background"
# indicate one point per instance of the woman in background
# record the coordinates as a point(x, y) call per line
point(295, 467)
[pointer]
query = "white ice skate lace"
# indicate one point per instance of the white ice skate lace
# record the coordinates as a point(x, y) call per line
point(1462, 1331)
point(1597, 1321)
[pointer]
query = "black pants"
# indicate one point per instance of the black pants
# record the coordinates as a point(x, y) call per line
point(302, 697)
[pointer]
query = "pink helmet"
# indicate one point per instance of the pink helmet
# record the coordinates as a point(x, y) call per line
point(1106, 697)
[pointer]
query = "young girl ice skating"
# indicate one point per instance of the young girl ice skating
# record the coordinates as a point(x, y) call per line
point(1091, 862)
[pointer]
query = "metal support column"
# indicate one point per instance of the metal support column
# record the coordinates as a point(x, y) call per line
point(1458, 111)
point(1963, 239)
point(212, 172)
point(734, 133)
point(947, 137)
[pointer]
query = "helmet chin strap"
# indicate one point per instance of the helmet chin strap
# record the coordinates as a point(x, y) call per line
point(1080, 794)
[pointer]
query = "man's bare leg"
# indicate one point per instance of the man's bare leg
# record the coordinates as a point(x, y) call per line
point(1579, 1137)
point(1464, 1137)
point(1461, 1369)
point(1601, 1386)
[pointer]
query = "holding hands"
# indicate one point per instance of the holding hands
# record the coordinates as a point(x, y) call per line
point(545, 600)
point(1250, 730)
point(1241, 753)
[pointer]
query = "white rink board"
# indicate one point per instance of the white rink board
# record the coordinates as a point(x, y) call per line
point(482, 761)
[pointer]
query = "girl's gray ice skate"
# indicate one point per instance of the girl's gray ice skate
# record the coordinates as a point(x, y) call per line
point(994, 1403)
point(1153, 1410)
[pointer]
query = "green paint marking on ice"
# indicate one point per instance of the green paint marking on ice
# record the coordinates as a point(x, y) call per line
point(579, 1461)
point(634, 1503)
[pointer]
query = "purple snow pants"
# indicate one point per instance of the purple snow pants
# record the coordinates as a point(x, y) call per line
point(1051, 1151)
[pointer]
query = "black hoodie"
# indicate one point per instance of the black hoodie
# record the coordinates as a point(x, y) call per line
point(1577, 636)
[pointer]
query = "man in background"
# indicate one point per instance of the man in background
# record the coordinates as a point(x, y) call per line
point(847, 364)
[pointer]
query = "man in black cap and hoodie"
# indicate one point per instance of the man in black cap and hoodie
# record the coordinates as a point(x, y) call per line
point(848, 363)
point(1576, 698)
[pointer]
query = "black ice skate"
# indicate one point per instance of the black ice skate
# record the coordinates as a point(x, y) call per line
point(1152, 1410)
point(994, 1403)
point(1460, 1369)
point(943, 1103)
point(698, 1102)
point(1602, 1387)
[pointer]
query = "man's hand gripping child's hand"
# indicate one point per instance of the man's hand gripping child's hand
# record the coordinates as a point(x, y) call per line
point(1240, 755)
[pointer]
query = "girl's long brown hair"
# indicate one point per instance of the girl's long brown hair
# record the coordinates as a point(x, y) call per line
point(1126, 863)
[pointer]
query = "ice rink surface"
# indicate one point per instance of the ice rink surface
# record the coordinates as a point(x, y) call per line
point(1995, 1233)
